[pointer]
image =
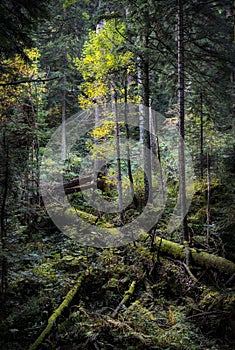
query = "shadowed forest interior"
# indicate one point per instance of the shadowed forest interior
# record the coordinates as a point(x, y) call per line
point(117, 171)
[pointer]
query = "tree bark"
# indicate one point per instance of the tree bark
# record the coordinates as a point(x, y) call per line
point(201, 137)
point(118, 157)
point(233, 72)
point(4, 195)
point(4, 188)
point(203, 259)
point(208, 214)
point(146, 99)
point(129, 167)
point(84, 182)
point(158, 153)
point(181, 97)
point(64, 146)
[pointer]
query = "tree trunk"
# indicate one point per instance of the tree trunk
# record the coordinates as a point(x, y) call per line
point(233, 73)
point(4, 194)
point(147, 142)
point(118, 157)
point(64, 146)
point(203, 259)
point(100, 159)
point(181, 120)
point(153, 145)
point(234, 21)
point(128, 145)
point(158, 151)
point(208, 214)
point(35, 172)
point(141, 106)
point(201, 136)
point(64, 119)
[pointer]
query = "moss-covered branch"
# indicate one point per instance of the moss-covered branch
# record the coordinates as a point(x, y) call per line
point(51, 321)
point(197, 257)
point(126, 297)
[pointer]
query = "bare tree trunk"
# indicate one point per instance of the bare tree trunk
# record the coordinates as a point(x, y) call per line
point(201, 136)
point(153, 145)
point(156, 168)
point(128, 145)
point(100, 159)
point(5, 186)
point(208, 219)
point(118, 157)
point(141, 106)
point(35, 147)
point(147, 145)
point(64, 146)
point(158, 154)
point(233, 73)
point(144, 90)
point(234, 21)
point(181, 96)
point(128, 153)
point(64, 113)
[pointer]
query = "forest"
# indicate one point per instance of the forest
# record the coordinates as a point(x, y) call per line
point(117, 171)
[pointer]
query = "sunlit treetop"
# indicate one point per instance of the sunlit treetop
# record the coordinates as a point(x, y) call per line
point(103, 60)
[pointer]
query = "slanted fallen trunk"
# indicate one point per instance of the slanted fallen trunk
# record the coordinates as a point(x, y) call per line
point(79, 180)
point(199, 258)
point(56, 314)
point(79, 188)
point(126, 297)
point(84, 182)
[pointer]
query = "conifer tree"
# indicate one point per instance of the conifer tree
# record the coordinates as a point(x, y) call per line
point(19, 21)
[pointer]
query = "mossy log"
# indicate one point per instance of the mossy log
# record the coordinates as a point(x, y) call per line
point(126, 297)
point(199, 258)
point(56, 314)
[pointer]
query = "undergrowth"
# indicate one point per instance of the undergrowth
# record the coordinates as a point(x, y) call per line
point(167, 310)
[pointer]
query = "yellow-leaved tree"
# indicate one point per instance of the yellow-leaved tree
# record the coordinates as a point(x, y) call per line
point(104, 63)
point(106, 66)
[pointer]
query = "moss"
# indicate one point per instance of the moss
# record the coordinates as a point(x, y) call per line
point(199, 258)
point(51, 321)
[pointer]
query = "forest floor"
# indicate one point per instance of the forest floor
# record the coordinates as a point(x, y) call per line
point(131, 297)
point(163, 308)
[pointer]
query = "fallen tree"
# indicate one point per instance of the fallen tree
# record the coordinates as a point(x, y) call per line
point(165, 247)
point(126, 297)
point(200, 258)
point(56, 314)
point(85, 182)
